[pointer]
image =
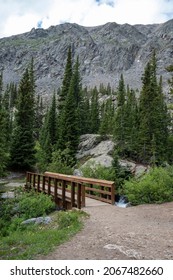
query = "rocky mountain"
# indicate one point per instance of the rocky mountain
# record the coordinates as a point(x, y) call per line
point(104, 51)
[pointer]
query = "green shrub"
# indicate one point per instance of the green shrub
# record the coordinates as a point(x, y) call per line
point(154, 187)
point(23, 206)
point(34, 204)
point(97, 171)
point(66, 219)
point(61, 162)
point(116, 173)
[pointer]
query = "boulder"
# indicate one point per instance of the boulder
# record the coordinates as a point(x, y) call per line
point(38, 220)
point(94, 145)
point(99, 151)
point(8, 195)
point(104, 160)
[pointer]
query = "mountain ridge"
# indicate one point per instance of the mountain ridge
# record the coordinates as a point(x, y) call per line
point(104, 52)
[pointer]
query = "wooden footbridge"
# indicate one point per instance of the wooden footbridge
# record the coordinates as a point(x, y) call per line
point(71, 191)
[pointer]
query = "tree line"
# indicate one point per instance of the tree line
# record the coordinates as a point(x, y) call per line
point(35, 136)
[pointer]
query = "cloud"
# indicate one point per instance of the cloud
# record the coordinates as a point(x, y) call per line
point(18, 16)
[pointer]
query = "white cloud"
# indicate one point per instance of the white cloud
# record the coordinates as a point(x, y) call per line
point(18, 16)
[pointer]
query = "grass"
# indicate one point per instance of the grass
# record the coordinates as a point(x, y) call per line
point(29, 241)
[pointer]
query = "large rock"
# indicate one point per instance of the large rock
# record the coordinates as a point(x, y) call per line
point(99, 152)
point(104, 160)
point(38, 220)
point(136, 169)
point(93, 145)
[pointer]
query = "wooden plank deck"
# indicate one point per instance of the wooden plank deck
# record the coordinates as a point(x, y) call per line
point(91, 202)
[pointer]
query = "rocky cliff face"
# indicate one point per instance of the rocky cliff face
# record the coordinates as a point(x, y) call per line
point(105, 52)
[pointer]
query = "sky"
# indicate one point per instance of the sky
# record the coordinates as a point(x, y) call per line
point(19, 16)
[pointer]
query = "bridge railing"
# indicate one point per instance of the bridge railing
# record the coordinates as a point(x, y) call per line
point(71, 191)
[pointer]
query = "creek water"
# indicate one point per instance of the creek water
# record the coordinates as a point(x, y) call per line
point(122, 202)
point(9, 183)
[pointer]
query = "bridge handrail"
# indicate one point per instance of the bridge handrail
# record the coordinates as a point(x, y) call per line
point(50, 182)
point(78, 179)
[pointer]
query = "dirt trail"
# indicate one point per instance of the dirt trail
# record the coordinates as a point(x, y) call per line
point(111, 232)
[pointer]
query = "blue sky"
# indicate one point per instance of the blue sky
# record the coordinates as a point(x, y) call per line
point(18, 16)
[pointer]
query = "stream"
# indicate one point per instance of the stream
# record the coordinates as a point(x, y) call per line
point(9, 183)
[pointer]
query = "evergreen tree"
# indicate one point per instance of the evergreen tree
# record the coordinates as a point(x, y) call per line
point(66, 81)
point(3, 143)
point(7, 117)
point(38, 116)
point(84, 121)
point(48, 135)
point(94, 112)
point(107, 119)
point(121, 92)
point(131, 124)
point(3, 147)
point(170, 80)
point(1, 86)
point(119, 126)
point(170, 137)
point(69, 134)
point(76, 81)
point(44, 149)
point(83, 111)
point(153, 118)
point(52, 121)
point(62, 95)
point(22, 148)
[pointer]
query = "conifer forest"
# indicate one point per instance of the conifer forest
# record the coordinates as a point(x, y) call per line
point(36, 135)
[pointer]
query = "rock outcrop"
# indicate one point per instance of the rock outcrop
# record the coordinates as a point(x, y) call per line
point(105, 52)
point(94, 150)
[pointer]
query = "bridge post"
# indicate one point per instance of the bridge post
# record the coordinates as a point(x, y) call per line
point(73, 184)
point(63, 194)
point(43, 184)
point(113, 193)
point(83, 196)
point(34, 180)
point(38, 182)
point(55, 190)
point(49, 186)
point(28, 180)
point(78, 195)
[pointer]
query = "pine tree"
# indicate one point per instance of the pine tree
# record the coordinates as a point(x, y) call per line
point(153, 117)
point(131, 124)
point(69, 134)
point(107, 119)
point(52, 121)
point(66, 81)
point(48, 134)
point(84, 121)
point(3, 143)
point(3, 147)
point(170, 137)
point(45, 149)
point(22, 149)
point(76, 81)
point(94, 112)
point(38, 123)
point(119, 126)
point(7, 117)
point(121, 92)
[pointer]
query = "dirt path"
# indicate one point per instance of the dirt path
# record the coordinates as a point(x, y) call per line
point(141, 232)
